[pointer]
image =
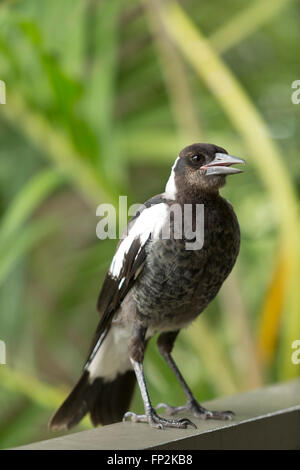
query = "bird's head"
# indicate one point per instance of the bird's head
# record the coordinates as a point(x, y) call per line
point(201, 168)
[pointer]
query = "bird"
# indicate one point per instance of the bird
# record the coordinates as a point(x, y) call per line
point(158, 285)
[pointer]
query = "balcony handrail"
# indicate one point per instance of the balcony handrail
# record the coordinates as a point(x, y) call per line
point(266, 418)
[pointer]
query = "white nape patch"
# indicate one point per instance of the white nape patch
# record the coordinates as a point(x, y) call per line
point(150, 222)
point(112, 358)
point(171, 189)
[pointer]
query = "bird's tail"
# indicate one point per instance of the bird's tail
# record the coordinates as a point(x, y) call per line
point(105, 388)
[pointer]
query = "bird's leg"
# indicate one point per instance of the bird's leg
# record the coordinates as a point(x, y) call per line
point(165, 345)
point(136, 351)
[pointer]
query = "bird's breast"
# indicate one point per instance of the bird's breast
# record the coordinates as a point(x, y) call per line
point(178, 283)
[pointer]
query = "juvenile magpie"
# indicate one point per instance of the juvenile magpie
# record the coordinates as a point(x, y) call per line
point(156, 284)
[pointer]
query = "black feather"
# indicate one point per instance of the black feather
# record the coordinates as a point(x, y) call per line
point(76, 405)
point(111, 294)
point(106, 401)
point(114, 399)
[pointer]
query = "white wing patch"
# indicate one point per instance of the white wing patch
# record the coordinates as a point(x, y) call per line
point(149, 223)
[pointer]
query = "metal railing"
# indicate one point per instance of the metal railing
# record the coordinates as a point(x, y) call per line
point(267, 418)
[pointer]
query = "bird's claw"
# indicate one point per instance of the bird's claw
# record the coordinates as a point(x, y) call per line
point(197, 410)
point(171, 410)
point(218, 415)
point(135, 418)
point(158, 422)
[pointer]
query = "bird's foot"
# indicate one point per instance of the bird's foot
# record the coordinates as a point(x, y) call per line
point(157, 421)
point(197, 410)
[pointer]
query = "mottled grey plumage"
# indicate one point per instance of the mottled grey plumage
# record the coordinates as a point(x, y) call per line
point(157, 285)
point(177, 284)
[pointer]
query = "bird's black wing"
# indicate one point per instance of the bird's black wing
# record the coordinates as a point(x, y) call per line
point(127, 264)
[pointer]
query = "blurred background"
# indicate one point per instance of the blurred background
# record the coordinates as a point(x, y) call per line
point(100, 97)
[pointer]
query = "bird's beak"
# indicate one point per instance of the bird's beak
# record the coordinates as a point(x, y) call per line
point(221, 165)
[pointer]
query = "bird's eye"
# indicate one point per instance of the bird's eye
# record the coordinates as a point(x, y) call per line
point(196, 158)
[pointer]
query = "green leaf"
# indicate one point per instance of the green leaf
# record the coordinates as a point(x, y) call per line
point(27, 201)
point(11, 252)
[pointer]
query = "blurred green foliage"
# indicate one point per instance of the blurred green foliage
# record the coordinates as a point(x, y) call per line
point(101, 96)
